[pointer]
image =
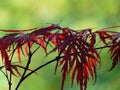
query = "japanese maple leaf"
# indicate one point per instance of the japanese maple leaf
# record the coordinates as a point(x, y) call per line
point(112, 41)
point(21, 40)
point(115, 49)
point(5, 43)
point(4, 55)
point(80, 56)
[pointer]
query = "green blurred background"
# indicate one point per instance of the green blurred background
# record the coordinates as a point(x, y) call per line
point(76, 14)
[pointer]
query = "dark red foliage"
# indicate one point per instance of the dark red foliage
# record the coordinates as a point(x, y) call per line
point(104, 36)
point(111, 40)
point(80, 57)
point(115, 50)
point(5, 43)
point(4, 55)
point(21, 40)
point(77, 54)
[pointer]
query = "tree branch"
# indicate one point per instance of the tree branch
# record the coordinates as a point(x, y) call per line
point(26, 67)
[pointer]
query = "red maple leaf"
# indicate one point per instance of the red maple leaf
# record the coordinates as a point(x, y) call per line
point(115, 49)
point(80, 57)
point(5, 43)
point(112, 41)
point(4, 54)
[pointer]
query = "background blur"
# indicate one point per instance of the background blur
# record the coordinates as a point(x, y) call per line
point(76, 14)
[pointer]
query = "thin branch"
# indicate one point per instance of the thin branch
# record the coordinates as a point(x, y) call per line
point(49, 62)
point(103, 47)
point(5, 76)
point(26, 67)
point(35, 50)
point(10, 75)
point(10, 81)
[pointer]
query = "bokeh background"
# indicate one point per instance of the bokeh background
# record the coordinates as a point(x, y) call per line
point(76, 14)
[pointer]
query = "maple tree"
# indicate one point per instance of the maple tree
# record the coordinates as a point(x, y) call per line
point(77, 52)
